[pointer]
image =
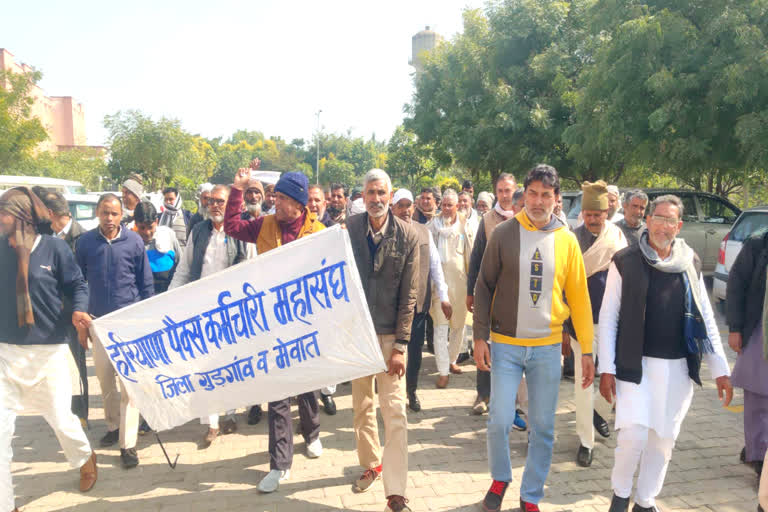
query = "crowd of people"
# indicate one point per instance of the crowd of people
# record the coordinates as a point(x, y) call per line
point(496, 277)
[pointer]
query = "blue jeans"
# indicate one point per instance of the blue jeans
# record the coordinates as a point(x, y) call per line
point(541, 366)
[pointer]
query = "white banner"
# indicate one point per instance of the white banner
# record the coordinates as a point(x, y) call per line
point(290, 321)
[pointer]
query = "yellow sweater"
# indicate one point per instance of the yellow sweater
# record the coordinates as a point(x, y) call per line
point(531, 280)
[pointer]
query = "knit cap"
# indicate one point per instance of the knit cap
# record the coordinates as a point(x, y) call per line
point(295, 185)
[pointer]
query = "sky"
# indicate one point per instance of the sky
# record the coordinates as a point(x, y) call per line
point(226, 65)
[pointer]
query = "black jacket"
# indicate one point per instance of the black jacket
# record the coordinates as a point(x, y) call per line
point(53, 276)
point(746, 287)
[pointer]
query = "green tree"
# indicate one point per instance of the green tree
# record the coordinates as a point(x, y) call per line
point(677, 86)
point(161, 151)
point(88, 166)
point(20, 133)
point(407, 160)
point(498, 97)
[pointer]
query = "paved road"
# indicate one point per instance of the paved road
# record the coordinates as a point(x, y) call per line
point(448, 463)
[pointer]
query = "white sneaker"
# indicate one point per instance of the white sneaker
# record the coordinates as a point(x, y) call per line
point(271, 482)
point(315, 449)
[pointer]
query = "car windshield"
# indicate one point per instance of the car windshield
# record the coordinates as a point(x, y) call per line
point(747, 225)
point(82, 211)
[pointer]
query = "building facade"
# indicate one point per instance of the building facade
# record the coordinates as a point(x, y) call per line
point(61, 116)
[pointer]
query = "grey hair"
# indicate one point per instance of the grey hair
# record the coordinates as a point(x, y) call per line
point(449, 192)
point(377, 175)
point(631, 194)
point(465, 193)
point(518, 194)
point(667, 199)
point(219, 187)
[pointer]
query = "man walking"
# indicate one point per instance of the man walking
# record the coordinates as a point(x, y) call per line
point(174, 215)
point(387, 256)
point(292, 220)
point(656, 324)
point(454, 244)
point(69, 230)
point(506, 192)
point(532, 265)
point(430, 271)
point(599, 240)
point(209, 250)
point(635, 202)
point(252, 199)
point(745, 314)
point(39, 272)
point(203, 194)
point(115, 264)
point(337, 205)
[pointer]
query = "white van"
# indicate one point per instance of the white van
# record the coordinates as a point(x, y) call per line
point(63, 186)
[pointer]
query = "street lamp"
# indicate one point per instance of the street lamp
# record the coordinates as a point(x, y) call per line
point(317, 147)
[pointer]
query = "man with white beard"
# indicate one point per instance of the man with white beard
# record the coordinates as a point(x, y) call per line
point(210, 250)
point(454, 244)
point(252, 199)
point(203, 195)
point(656, 326)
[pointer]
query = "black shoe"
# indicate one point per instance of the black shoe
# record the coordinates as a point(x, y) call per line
point(584, 457)
point(254, 415)
point(638, 508)
point(144, 427)
point(110, 438)
point(494, 496)
point(743, 455)
point(619, 504)
point(463, 357)
point(130, 457)
point(413, 401)
point(759, 469)
point(328, 404)
point(601, 425)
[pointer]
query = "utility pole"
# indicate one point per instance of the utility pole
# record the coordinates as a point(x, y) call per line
point(317, 147)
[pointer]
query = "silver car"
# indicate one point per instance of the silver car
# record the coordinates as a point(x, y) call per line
point(707, 218)
point(749, 222)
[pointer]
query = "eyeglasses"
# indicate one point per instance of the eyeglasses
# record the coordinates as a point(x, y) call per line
point(669, 221)
point(217, 202)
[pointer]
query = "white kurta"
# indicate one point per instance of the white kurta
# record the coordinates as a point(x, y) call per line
point(661, 400)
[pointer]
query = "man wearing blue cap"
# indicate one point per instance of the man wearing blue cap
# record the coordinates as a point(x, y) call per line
point(291, 220)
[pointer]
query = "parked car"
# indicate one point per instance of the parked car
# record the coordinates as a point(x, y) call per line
point(83, 209)
point(568, 197)
point(707, 218)
point(63, 186)
point(750, 221)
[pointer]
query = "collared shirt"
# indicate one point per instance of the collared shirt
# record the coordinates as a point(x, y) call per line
point(215, 258)
point(378, 235)
point(65, 230)
point(119, 232)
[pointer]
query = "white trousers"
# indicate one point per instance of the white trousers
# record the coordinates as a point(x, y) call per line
point(448, 343)
point(587, 400)
point(118, 411)
point(328, 390)
point(639, 445)
point(36, 378)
